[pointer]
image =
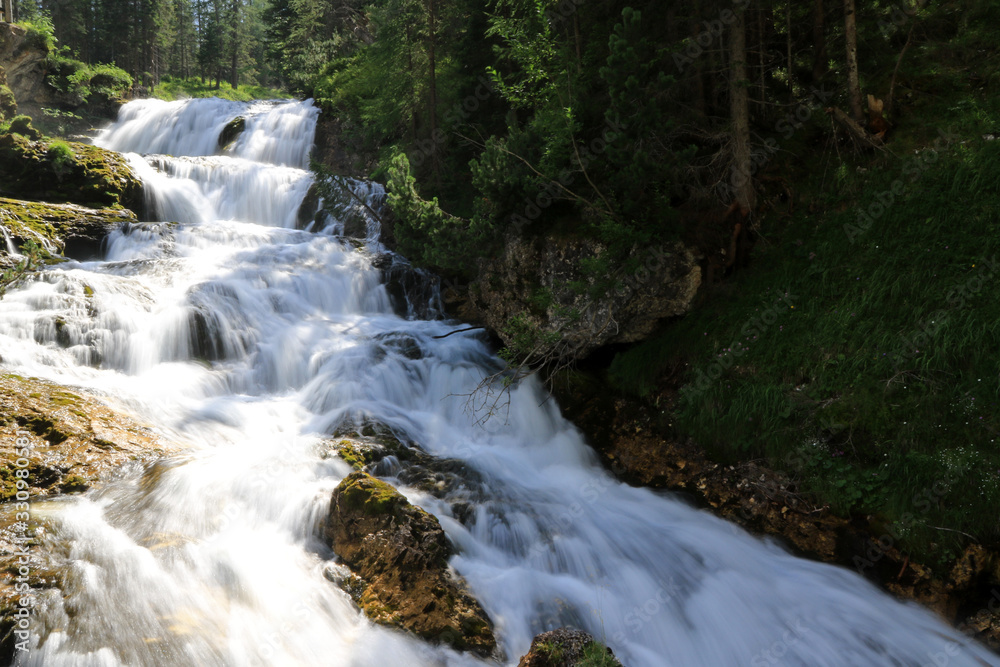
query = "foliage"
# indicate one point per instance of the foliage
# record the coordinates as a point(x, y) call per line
point(423, 231)
point(41, 32)
point(81, 80)
point(877, 378)
point(172, 89)
point(31, 260)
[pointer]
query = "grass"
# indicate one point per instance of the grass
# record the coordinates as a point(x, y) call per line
point(173, 89)
point(877, 383)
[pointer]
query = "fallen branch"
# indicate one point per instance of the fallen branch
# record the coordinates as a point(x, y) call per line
point(853, 128)
point(458, 331)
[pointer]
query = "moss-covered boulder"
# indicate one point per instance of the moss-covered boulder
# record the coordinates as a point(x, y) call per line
point(400, 553)
point(75, 231)
point(58, 171)
point(566, 647)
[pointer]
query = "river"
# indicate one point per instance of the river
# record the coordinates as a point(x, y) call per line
point(249, 341)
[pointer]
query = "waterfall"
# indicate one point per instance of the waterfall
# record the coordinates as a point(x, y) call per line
point(250, 341)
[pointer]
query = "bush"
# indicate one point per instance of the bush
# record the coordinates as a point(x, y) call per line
point(22, 125)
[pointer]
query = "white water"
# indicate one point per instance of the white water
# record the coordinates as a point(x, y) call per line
point(211, 557)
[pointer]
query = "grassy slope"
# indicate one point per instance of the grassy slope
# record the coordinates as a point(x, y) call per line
point(877, 382)
point(173, 89)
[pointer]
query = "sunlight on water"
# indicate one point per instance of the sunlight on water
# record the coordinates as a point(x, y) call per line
point(251, 341)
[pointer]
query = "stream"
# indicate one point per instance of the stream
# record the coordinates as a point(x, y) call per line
point(250, 342)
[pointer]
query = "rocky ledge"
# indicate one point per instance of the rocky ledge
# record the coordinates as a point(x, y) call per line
point(58, 171)
point(53, 441)
point(399, 556)
point(76, 231)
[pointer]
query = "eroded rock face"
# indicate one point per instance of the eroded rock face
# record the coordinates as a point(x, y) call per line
point(565, 647)
point(544, 280)
point(400, 553)
point(24, 64)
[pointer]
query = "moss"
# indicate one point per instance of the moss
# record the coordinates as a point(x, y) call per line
point(21, 125)
point(372, 497)
point(8, 105)
point(58, 171)
point(73, 484)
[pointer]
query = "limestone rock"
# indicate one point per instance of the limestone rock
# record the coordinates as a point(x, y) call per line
point(401, 555)
point(77, 231)
point(543, 279)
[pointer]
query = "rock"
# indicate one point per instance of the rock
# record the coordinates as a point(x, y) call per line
point(542, 280)
point(77, 231)
point(24, 63)
point(565, 647)
point(73, 442)
point(67, 172)
point(8, 104)
point(232, 131)
point(400, 553)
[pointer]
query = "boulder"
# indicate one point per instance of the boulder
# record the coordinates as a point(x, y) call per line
point(566, 647)
point(231, 132)
point(24, 64)
point(400, 554)
point(542, 284)
point(58, 171)
point(55, 440)
point(76, 231)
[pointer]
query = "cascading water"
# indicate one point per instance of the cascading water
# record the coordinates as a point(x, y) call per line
point(250, 340)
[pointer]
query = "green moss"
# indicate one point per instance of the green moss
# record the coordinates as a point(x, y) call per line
point(372, 497)
point(73, 484)
point(21, 125)
point(8, 105)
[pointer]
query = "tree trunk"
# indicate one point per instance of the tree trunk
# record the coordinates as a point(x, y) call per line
point(432, 66)
point(8, 11)
point(788, 46)
point(819, 41)
point(739, 111)
point(853, 84)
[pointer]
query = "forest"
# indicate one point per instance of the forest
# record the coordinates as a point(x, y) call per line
point(830, 167)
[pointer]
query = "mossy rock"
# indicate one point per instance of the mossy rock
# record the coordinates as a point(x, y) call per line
point(566, 647)
point(400, 553)
point(232, 131)
point(75, 230)
point(59, 172)
point(21, 125)
point(8, 105)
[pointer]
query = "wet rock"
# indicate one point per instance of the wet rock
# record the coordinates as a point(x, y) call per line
point(413, 293)
point(400, 553)
point(373, 448)
point(308, 212)
point(53, 440)
point(67, 172)
point(77, 231)
point(565, 647)
point(232, 131)
point(542, 280)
